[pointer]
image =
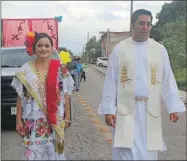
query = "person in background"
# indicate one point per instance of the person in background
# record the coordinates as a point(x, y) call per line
point(83, 74)
point(78, 74)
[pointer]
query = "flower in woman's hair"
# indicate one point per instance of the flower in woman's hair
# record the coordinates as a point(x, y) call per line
point(31, 34)
point(36, 34)
point(29, 50)
point(29, 42)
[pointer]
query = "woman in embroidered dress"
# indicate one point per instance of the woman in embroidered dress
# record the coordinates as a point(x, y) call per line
point(43, 87)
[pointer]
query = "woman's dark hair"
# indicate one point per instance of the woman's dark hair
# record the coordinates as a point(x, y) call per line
point(40, 36)
point(139, 12)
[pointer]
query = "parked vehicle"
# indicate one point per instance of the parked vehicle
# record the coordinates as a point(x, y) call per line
point(72, 67)
point(102, 61)
point(93, 61)
point(11, 61)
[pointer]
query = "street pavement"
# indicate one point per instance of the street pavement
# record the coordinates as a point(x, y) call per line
point(88, 138)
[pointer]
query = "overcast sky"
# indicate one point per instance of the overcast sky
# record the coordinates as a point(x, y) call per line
point(80, 17)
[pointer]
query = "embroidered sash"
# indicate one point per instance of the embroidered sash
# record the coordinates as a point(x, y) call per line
point(124, 131)
point(29, 80)
point(51, 95)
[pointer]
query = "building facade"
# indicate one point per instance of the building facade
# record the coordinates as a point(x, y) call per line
point(110, 40)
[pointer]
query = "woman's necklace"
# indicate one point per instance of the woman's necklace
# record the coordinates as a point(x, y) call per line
point(42, 84)
point(41, 77)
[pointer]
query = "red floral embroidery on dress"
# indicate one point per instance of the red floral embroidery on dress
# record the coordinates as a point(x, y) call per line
point(43, 129)
point(28, 127)
point(28, 154)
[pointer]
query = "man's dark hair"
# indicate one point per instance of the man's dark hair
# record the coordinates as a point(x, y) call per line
point(139, 12)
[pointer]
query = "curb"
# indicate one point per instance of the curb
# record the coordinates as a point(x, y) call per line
point(97, 69)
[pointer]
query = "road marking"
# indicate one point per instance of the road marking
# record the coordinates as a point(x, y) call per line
point(95, 119)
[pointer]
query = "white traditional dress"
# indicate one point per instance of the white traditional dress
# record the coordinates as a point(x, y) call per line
point(108, 105)
point(39, 139)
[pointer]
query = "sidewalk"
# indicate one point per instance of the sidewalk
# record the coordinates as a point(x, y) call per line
point(103, 70)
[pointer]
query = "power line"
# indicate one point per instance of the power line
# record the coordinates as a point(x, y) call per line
point(131, 11)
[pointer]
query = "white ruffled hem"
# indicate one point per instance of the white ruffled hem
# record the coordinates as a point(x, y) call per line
point(42, 153)
point(16, 84)
point(18, 87)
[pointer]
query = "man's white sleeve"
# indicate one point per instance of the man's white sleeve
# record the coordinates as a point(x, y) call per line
point(108, 103)
point(170, 92)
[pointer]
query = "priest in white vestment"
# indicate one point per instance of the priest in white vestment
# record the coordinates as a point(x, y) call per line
point(139, 75)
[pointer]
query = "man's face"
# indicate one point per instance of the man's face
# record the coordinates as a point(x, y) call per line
point(142, 28)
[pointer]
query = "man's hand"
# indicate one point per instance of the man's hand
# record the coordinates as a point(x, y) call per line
point(110, 120)
point(174, 117)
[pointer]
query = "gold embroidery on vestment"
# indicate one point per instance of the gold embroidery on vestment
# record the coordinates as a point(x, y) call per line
point(124, 77)
point(154, 81)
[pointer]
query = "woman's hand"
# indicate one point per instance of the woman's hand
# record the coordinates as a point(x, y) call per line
point(19, 124)
point(19, 128)
point(67, 121)
point(67, 110)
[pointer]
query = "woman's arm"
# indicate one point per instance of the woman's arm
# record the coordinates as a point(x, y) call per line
point(67, 110)
point(19, 124)
point(67, 107)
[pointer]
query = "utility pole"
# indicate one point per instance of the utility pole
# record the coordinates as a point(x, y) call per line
point(83, 56)
point(87, 48)
point(107, 42)
point(131, 11)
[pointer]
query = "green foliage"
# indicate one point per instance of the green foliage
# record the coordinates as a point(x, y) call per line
point(171, 30)
point(175, 10)
point(174, 39)
point(172, 11)
point(63, 49)
point(93, 49)
point(180, 76)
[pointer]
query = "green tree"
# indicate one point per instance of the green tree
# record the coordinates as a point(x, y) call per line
point(93, 49)
point(173, 36)
point(63, 49)
point(171, 30)
point(175, 10)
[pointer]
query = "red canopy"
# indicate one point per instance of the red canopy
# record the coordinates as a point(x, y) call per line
point(15, 30)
